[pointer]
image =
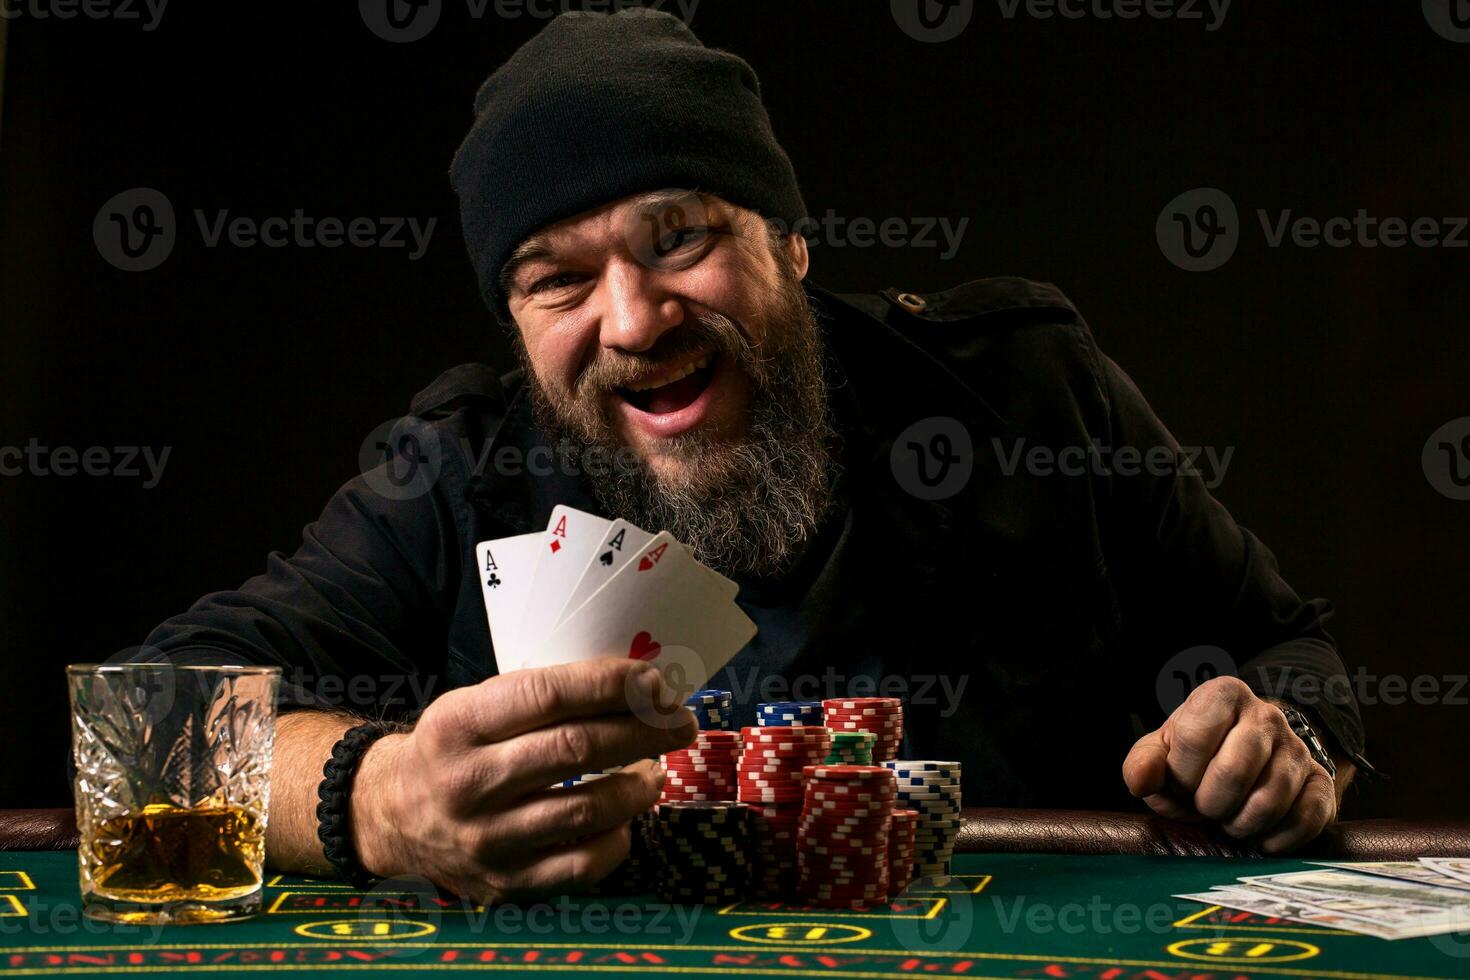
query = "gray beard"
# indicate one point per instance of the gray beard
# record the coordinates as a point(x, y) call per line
point(746, 508)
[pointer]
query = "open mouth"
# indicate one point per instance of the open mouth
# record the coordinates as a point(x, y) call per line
point(672, 391)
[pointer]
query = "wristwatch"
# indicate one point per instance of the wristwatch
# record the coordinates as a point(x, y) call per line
point(1305, 731)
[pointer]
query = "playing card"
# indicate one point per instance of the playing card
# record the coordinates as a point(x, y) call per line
point(505, 567)
point(622, 541)
point(570, 538)
point(659, 607)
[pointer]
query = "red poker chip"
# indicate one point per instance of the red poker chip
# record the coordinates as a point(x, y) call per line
point(843, 803)
point(690, 767)
point(700, 760)
point(715, 736)
point(847, 773)
point(825, 798)
point(835, 808)
point(861, 702)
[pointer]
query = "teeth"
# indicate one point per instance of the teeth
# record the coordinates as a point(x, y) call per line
point(683, 372)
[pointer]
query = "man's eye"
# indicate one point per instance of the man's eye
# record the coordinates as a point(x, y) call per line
point(556, 281)
point(681, 240)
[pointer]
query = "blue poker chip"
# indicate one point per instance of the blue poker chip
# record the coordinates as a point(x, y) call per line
point(773, 714)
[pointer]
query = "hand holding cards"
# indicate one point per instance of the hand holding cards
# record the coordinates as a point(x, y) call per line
point(587, 588)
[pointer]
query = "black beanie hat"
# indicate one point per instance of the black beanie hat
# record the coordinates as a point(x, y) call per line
point(596, 107)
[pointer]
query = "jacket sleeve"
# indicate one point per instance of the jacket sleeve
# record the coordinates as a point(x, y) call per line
point(1191, 576)
point(362, 607)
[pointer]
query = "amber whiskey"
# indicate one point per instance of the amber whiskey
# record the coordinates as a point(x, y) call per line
point(170, 854)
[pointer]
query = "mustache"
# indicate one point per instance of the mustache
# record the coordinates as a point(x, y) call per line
point(709, 333)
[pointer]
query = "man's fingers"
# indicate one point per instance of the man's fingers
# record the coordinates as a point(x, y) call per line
point(1199, 726)
point(512, 704)
point(1171, 809)
point(1233, 772)
point(560, 816)
point(1146, 766)
point(1274, 793)
point(568, 868)
point(533, 761)
point(1315, 807)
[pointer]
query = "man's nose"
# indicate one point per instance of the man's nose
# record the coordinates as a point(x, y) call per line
point(638, 307)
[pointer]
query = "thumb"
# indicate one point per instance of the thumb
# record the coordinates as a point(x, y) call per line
point(1147, 766)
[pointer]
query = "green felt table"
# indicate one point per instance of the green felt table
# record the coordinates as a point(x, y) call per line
point(1002, 915)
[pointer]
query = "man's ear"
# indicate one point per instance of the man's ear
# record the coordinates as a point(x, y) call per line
point(794, 245)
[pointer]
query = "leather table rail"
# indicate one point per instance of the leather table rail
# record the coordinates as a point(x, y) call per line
point(992, 830)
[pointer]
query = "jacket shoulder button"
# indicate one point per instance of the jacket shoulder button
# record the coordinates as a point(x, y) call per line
point(912, 302)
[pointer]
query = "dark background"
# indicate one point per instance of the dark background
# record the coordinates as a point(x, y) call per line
point(1060, 140)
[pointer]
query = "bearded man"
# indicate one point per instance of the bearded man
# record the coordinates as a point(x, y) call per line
point(635, 224)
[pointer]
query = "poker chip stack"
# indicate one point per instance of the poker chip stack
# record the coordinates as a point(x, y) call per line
point(702, 852)
point(772, 763)
point(901, 838)
point(881, 716)
point(851, 748)
point(842, 839)
point(712, 709)
point(932, 789)
point(705, 771)
point(635, 874)
point(774, 714)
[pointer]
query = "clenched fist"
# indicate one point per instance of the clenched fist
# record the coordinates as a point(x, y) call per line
point(1230, 757)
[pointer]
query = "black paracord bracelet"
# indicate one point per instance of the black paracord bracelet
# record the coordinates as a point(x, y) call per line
point(335, 791)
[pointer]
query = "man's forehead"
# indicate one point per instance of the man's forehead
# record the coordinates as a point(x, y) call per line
point(613, 222)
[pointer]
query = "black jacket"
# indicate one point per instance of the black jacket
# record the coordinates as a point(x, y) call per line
point(1055, 609)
